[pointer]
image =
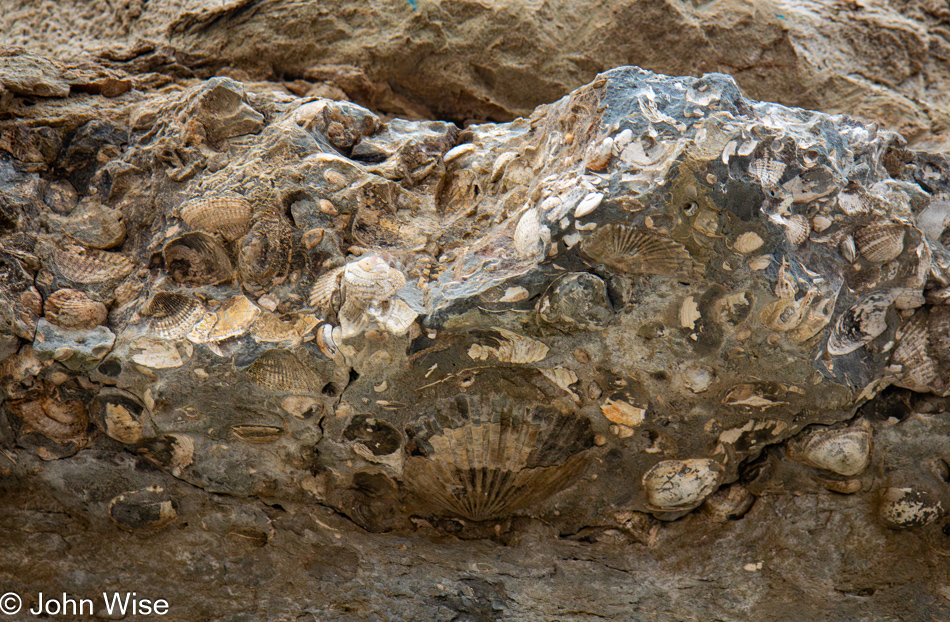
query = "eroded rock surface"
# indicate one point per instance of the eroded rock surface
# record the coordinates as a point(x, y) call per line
point(626, 343)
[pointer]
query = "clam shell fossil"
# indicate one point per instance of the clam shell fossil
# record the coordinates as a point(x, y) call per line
point(918, 369)
point(371, 279)
point(797, 229)
point(482, 458)
point(861, 324)
point(173, 315)
point(226, 215)
point(120, 415)
point(681, 484)
point(264, 254)
point(767, 172)
point(281, 370)
point(906, 508)
point(530, 236)
point(636, 251)
point(845, 452)
point(148, 509)
point(197, 259)
point(257, 434)
point(92, 224)
point(880, 242)
point(728, 503)
point(748, 242)
point(79, 264)
point(73, 309)
point(233, 318)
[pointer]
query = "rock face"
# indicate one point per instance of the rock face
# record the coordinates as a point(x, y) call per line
point(336, 341)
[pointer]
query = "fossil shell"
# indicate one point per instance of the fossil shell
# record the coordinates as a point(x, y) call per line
point(78, 264)
point(845, 452)
point(92, 224)
point(637, 251)
point(257, 434)
point(588, 204)
point(848, 249)
point(379, 437)
point(56, 420)
point(72, 309)
point(485, 458)
point(880, 242)
point(120, 415)
point(173, 315)
point(729, 503)
point(328, 337)
point(233, 318)
point(227, 215)
point(501, 162)
point(577, 300)
point(530, 237)
point(918, 370)
point(173, 452)
point(508, 347)
point(371, 279)
point(767, 172)
point(325, 287)
point(264, 254)
point(280, 370)
point(748, 242)
point(861, 324)
point(197, 259)
point(681, 484)
point(906, 508)
point(797, 229)
point(148, 509)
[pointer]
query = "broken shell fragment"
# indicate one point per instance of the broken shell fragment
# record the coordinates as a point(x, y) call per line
point(148, 509)
point(861, 324)
point(72, 309)
point(197, 259)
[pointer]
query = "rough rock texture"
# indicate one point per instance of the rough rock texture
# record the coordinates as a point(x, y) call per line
point(656, 351)
point(882, 60)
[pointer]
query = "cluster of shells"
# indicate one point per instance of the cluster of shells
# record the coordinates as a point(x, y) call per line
point(640, 295)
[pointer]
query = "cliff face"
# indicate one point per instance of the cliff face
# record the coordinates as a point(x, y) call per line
point(654, 350)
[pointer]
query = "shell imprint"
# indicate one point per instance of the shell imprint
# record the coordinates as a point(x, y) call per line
point(637, 251)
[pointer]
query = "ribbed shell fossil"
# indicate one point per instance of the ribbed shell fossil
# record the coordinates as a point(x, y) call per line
point(880, 242)
point(917, 368)
point(56, 420)
point(325, 293)
point(637, 251)
point(673, 485)
point(482, 458)
point(173, 315)
point(861, 324)
point(728, 503)
point(845, 452)
point(257, 434)
point(281, 370)
point(264, 254)
point(227, 215)
point(767, 172)
point(79, 264)
point(197, 259)
point(371, 279)
point(72, 309)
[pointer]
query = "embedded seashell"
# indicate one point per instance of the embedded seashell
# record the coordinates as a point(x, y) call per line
point(233, 318)
point(173, 452)
point(728, 503)
point(197, 259)
point(397, 317)
point(280, 370)
point(530, 237)
point(636, 251)
point(848, 249)
point(767, 172)
point(747, 242)
point(54, 419)
point(148, 509)
point(501, 162)
point(509, 347)
point(228, 215)
point(327, 339)
point(91, 224)
point(845, 452)
point(673, 485)
point(72, 309)
point(371, 279)
point(263, 254)
point(820, 223)
point(577, 300)
point(861, 324)
point(481, 458)
point(257, 434)
point(86, 265)
point(853, 204)
point(120, 415)
point(917, 368)
point(173, 315)
point(325, 287)
point(588, 204)
point(598, 155)
point(623, 413)
point(906, 508)
point(379, 437)
point(797, 229)
point(457, 152)
point(880, 242)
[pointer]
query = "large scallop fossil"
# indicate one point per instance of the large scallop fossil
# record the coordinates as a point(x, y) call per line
point(637, 251)
point(481, 458)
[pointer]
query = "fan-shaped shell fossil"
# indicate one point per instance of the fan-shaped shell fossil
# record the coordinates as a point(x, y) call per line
point(78, 264)
point(173, 315)
point(767, 172)
point(233, 318)
point(483, 458)
point(264, 254)
point(281, 370)
point(56, 420)
point(861, 324)
point(917, 368)
point(797, 229)
point(637, 251)
point(681, 484)
point(228, 215)
point(73, 309)
point(845, 452)
point(906, 508)
point(324, 294)
point(148, 509)
point(197, 259)
point(880, 242)
point(371, 279)
point(728, 503)
point(120, 415)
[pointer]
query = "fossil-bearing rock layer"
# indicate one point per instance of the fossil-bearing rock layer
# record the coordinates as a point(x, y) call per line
point(622, 358)
point(886, 60)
